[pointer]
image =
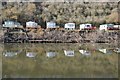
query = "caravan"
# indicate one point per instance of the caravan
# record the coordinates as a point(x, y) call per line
point(87, 27)
point(108, 27)
point(69, 26)
point(11, 24)
point(31, 24)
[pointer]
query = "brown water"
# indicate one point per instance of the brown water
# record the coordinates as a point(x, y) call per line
point(16, 63)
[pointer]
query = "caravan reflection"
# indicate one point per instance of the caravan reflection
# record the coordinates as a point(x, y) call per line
point(117, 50)
point(31, 54)
point(69, 53)
point(11, 53)
point(105, 51)
point(85, 52)
point(50, 54)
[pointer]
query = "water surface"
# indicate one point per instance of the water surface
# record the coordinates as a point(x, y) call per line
point(48, 60)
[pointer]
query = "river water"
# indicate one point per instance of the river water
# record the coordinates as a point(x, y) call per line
point(48, 60)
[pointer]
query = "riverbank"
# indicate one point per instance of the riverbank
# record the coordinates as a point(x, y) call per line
point(61, 36)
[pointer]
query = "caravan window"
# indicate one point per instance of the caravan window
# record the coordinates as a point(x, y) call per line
point(70, 25)
point(110, 25)
point(88, 25)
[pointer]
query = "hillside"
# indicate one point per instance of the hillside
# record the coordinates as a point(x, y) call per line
point(41, 12)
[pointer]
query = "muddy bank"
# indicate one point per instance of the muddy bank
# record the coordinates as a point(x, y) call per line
point(61, 36)
point(73, 36)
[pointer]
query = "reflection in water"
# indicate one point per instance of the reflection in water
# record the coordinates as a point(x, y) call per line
point(31, 54)
point(95, 66)
point(117, 50)
point(106, 51)
point(85, 52)
point(1, 50)
point(11, 53)
point(50, 54)
point(69, 53)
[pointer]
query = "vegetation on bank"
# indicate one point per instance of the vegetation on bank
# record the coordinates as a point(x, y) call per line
point(62, 36)
point(61, 13)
